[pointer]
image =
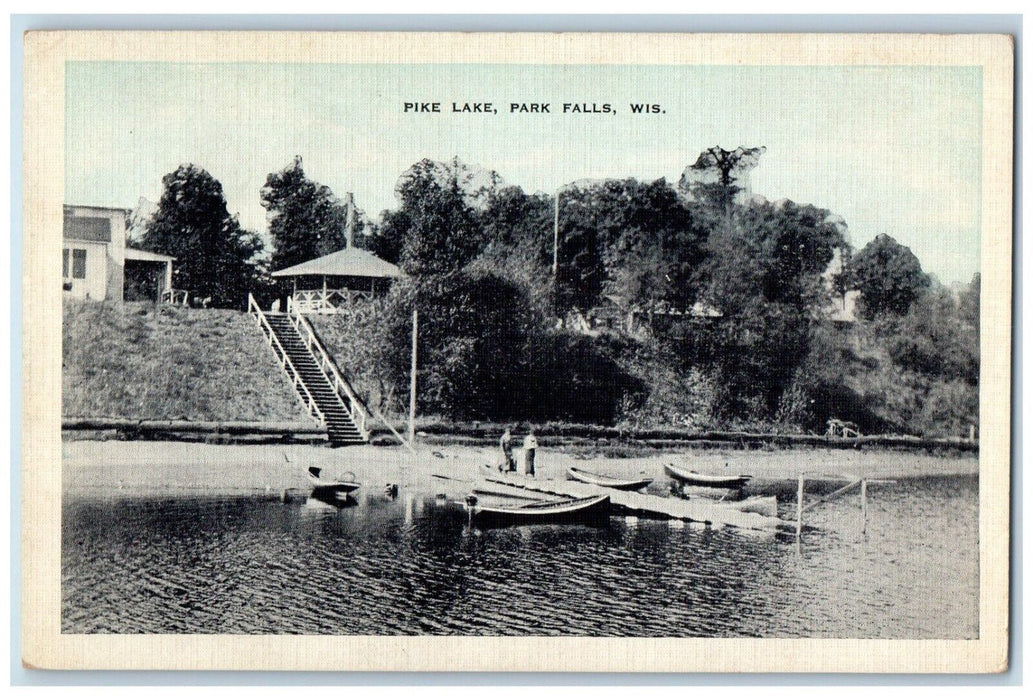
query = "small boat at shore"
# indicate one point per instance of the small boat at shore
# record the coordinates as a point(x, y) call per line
point(610, 482)
point(326, 489)
point(687, 477)
point(564, 510)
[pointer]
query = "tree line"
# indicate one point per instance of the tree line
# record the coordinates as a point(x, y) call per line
point(730, 294)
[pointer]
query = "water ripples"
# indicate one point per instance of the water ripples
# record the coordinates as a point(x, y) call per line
point(250, 565)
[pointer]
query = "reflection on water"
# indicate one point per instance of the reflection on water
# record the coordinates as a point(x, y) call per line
point(412, 565)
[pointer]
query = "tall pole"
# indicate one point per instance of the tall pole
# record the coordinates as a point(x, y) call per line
point(349, 231)
point(556, 257)
point(556, 237)
point(412, 381)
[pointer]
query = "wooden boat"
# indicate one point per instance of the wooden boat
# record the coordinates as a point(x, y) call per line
point(609, 482)
point(324, 488)
point(690, 478)
point(564, 510)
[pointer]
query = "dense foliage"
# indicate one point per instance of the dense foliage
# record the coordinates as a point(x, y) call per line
point(721, 303)
point(700, 305)
point(306, 219)
point(217, 261)
point(889, 277)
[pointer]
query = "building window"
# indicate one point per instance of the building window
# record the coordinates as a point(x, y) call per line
point(79, 263)
point(64, 263)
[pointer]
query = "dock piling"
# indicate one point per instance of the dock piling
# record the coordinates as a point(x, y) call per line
point(864, 506)
point(799, 508)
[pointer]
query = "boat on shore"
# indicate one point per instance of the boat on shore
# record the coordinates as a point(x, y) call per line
point(326, 489)
point(688, 477)
point(610, 482)
point(563, 510)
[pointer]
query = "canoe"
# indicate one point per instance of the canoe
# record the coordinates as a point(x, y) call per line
point(326, 488)
point(564, 510)
point(691, 478)
point(609, 482)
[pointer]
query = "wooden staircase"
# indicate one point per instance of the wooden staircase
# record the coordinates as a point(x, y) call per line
point(327, 396)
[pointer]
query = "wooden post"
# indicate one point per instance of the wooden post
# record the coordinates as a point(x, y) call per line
point(799, 508)
point(412, 380)
point(864, 506)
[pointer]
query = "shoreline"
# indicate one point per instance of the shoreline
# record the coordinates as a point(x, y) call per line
point(129, 468)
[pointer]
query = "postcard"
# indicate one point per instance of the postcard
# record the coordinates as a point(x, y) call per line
point(517, 352)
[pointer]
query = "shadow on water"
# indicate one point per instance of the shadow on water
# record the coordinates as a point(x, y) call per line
point(415, 565)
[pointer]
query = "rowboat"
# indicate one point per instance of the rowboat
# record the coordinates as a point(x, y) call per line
point(325, 488)
point(690, 478)
point(575, 474)
point(564, 510)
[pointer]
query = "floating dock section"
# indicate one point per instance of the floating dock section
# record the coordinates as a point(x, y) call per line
point(643, 505)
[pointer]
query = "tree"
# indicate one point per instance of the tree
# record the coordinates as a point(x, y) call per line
point(936, 339)
point(473, 335)
point(656, 256)
point(968, 304)
point(518, 241)
point(718, 176)
point(436, 230)
point(763, 272)
point(889, 277)
point(215, 257)
point(306, 219)
point(636, 240)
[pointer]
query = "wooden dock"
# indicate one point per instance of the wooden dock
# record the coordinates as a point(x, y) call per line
point(644, 505)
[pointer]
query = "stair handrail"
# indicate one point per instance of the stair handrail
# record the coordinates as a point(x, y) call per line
point(356, 407)
point(364, 409)
point(263, 323)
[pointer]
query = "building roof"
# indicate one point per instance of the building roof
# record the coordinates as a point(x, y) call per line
point(350, 262)
point(137, 254)
point(88, 228)
point(95, 208)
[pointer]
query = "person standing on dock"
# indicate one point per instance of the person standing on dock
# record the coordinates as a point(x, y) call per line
point(506, 446)
point(530, 445)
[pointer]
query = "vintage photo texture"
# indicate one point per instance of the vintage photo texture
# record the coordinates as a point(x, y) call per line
point(517, 352)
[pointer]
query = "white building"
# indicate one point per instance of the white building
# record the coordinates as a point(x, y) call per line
point(97, 264)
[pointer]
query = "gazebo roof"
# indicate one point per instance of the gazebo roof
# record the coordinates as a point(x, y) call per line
point(350, 262)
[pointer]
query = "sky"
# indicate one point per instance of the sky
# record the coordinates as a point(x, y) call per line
point(892, 150)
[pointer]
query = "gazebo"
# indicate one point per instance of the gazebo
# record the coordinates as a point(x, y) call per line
point(333, 283)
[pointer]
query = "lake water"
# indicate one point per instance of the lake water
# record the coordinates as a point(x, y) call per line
point(413, 565)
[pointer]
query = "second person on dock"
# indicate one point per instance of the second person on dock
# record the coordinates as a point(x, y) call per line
point(530, 445)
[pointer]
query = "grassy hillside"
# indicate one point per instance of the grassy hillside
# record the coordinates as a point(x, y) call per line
point(139, 361)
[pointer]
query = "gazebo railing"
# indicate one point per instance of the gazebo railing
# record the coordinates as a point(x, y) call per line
point(329, 301)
